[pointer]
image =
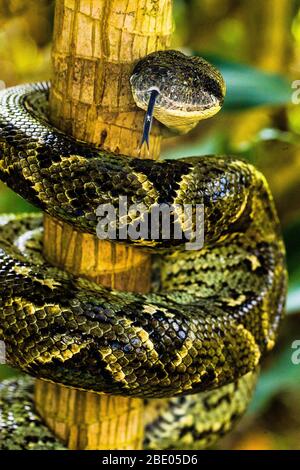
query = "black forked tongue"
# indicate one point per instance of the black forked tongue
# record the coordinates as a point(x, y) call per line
point(154, 92)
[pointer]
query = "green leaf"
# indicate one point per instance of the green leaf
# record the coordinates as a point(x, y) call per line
point(7, 372)
point(248, 87)
point(292, 242)
point(213, 143)
point(282, 375)
point(10, 202)
point(291, 238)
point(293, 299)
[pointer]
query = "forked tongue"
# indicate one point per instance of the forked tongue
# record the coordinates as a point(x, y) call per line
point(154, 92)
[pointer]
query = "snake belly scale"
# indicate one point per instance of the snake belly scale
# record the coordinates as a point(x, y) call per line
point(192, 347)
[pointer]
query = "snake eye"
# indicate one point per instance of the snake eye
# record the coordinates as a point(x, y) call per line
point(190, 89)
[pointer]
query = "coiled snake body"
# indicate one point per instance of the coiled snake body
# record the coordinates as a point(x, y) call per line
point(216, 311)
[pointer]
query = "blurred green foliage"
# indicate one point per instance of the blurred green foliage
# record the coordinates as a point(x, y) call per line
point(257, 47)
point(248, 87)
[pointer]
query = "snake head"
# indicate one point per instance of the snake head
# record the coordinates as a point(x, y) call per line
point(178, 90)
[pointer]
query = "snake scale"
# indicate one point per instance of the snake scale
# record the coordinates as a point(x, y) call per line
point(194, 344)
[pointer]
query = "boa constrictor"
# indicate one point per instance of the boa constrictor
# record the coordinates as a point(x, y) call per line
point(195, 342)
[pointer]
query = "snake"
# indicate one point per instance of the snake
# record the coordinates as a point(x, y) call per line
point(191, 348)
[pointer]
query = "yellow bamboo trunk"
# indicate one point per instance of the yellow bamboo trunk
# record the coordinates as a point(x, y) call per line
point(96, 43)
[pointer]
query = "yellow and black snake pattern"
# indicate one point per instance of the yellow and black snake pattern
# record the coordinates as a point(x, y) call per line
point(195, 342)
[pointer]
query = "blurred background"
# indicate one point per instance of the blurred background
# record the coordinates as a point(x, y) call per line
point(256, 45)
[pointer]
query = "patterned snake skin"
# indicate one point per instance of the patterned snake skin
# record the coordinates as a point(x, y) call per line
point(198, 336)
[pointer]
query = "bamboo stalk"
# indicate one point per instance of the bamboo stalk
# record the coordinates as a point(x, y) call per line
point(96, 43)
point(268, 23)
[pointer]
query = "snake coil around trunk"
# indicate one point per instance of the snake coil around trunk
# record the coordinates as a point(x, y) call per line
point(195, 342)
